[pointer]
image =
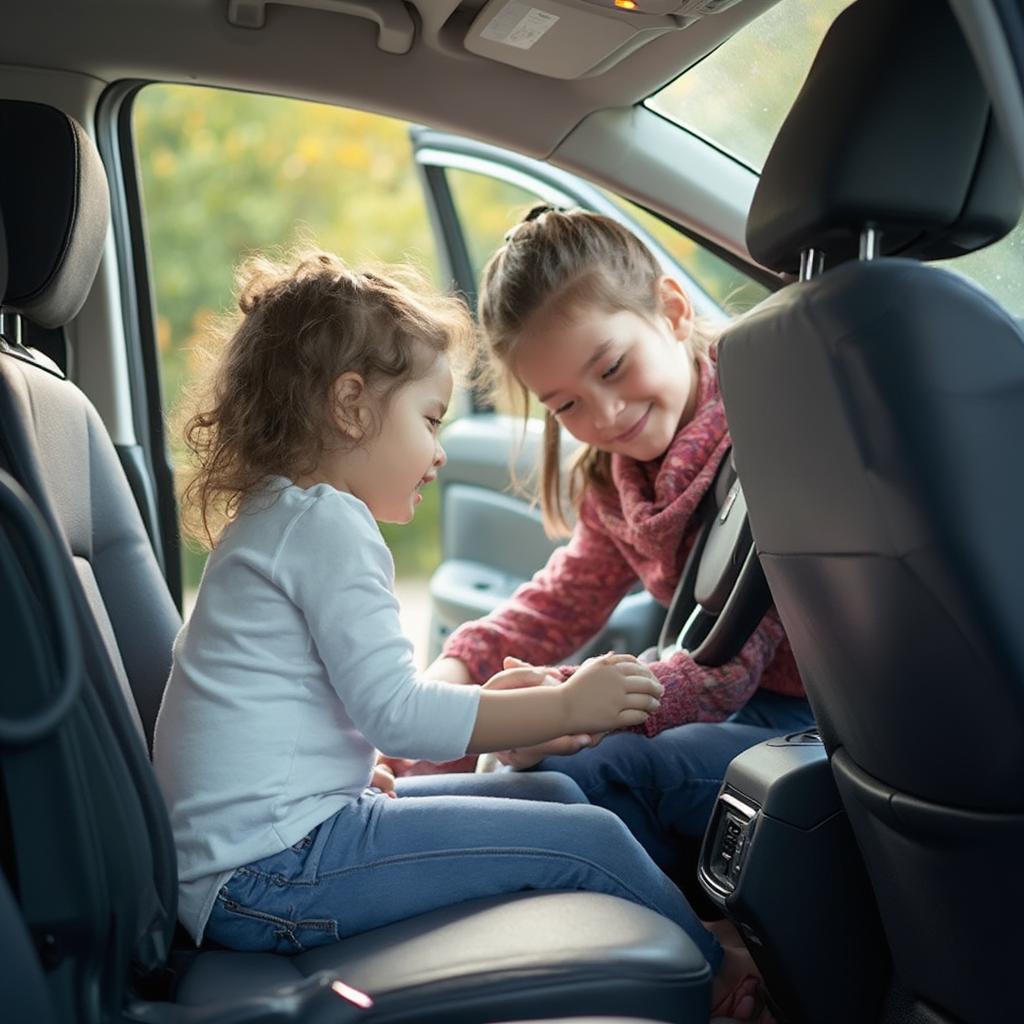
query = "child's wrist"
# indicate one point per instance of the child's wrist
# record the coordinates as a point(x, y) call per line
point(566, 694)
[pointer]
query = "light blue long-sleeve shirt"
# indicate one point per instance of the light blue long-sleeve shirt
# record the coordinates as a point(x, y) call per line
point(291, 671)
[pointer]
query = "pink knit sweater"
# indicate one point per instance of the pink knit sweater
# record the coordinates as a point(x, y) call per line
point(643, 529)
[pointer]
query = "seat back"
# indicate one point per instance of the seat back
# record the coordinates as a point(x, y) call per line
point(870, 409)
point(108, 837)
point(56, 217)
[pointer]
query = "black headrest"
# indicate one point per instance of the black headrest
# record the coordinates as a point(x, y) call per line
point(53, 193)
point(893, 127)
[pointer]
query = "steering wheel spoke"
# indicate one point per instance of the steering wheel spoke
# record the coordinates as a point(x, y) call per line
point(722, 593)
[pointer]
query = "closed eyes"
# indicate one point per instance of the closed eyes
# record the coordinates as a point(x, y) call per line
point(565, 407)
point(611, 371)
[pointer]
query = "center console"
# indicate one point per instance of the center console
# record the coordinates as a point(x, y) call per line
point(780, 861)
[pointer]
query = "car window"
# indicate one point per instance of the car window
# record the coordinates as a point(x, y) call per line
point(487, 208)
point(738, 96)
point(999, 269)
point(224, 173)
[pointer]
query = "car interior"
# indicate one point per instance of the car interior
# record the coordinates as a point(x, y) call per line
point(872, 402)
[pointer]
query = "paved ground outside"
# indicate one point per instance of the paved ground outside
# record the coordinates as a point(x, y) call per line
point(414, 599)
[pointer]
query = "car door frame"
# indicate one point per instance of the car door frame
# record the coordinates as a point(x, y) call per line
point(435, 152)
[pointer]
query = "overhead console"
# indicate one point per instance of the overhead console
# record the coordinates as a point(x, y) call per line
point(563, 39)
point(576, 38)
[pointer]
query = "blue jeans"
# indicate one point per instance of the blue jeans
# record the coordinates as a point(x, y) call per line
point(447, 838)
point(664, 787)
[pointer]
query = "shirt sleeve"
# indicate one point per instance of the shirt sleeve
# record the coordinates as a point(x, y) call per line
point(564, 605)
point(699, 693)
point(334, 565)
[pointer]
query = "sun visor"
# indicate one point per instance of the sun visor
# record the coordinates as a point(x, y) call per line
point(575, 38)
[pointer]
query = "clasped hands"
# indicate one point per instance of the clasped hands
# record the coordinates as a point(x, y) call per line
point(517, 674)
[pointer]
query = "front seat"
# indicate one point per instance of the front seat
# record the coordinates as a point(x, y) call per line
point(99, 895)
point(874, 409)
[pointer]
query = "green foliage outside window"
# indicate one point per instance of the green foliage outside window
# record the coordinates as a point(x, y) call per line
point(228, 173)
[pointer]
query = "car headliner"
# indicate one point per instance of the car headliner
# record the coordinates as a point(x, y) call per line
point(325, 56)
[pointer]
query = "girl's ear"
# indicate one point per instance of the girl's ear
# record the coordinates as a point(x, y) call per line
point(675, 307)
point(348, 408)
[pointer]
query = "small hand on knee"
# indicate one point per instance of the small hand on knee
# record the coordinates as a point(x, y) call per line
point(383, 778)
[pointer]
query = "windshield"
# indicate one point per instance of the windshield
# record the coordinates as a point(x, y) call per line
point(738, 95)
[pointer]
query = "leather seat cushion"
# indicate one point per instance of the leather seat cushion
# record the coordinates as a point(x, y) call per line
point(525, 955)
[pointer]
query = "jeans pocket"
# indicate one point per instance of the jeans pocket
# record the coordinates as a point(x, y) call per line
point(306, 841)
point(259, 929)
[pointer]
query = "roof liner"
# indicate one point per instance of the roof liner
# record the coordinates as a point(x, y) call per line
point(323, 56)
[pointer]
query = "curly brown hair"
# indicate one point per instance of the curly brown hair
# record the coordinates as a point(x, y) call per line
point(263, 407)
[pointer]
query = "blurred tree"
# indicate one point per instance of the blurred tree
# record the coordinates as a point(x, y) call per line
point(227, 173)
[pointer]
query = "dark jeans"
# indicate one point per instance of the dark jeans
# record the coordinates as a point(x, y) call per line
point(664, 787)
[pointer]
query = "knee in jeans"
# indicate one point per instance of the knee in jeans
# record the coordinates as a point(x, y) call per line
point(557, 788)
point(604, 825)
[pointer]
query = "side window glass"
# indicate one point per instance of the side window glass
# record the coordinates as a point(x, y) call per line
point(997, 269)
point(225, 173)
point(487, 207)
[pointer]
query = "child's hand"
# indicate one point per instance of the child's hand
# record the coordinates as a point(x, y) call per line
point(611, 692)
point(527, 757)
point(518, 674)
point(383, 778)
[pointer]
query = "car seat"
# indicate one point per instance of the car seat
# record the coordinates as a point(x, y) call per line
point(871, 408)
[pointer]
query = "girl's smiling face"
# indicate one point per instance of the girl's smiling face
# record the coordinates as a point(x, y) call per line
point(406, 455)
point(388, 466)
point(617, 381)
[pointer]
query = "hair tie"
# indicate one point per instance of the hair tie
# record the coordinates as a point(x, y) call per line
point(539, 209)
point(532, 214)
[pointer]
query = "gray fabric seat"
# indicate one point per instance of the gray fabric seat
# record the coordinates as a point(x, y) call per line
point(530, 955)
point(871, 407)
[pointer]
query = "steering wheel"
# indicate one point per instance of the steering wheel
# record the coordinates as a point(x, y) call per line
point(722, 594)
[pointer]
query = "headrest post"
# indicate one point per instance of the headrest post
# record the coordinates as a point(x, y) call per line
point(10, 327)
point(812, 263)
point(870, 242)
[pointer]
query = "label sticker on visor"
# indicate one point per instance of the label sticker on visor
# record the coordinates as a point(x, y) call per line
point(518, 25)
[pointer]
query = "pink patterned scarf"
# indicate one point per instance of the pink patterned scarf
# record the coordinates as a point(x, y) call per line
point(651, 509)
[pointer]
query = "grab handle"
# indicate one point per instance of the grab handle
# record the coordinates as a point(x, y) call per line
point(396, 29)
